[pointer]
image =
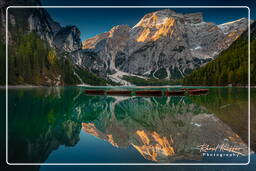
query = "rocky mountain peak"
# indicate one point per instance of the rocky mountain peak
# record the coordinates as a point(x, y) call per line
point(160, 17)
point(237, 25)
point(117, 32)
point(154, 30)
point(68, 39)
point(165, 12)
point(232, 30)
point(193, 18)
point(155, 19)
point(39, 21)
point(91, 42)
point(163, 44)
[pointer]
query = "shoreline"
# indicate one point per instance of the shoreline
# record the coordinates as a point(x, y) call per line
point(21, 86)
point(79, 85)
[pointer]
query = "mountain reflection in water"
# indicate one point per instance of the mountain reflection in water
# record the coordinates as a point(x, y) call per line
point(161, 129)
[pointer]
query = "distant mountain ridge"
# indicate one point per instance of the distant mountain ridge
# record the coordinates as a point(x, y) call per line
point(163, 44)
point(40, 49)
point(231, 67)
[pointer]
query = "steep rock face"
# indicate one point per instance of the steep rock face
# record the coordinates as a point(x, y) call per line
point(63, 38)
point(222, 71)
point(108, 44)
point(59, 43)
point(40, 22)
point(91, 43)
point(68, 39)
point(232, 26)
point(232, 30)
point(164, 42)
point(90, 60)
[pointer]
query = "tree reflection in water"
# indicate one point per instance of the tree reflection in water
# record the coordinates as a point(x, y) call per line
point(163, 129)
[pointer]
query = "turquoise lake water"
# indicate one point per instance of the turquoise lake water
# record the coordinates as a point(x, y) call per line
point(64, 125)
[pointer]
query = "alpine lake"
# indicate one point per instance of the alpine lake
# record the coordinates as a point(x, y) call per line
point(65, 125)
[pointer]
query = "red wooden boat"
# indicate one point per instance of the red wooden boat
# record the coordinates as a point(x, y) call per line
point(187, 89)
point(119, 92)
point(175, 93)
point(149, 93)
point(95, 92)
point(197, 91)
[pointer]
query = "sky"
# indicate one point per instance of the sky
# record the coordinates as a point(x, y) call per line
point(93, 21)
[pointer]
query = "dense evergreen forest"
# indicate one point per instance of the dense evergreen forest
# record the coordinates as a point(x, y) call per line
point(231, 67)
point(32, 61)
point(29, 59)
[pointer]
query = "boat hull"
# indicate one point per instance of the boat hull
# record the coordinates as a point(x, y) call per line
point(175, 93)
point(119, 93)
point(198, 91)
point(149, 93)
point(95, 92)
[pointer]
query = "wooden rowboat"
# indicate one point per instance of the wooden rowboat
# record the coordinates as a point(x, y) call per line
point(175, 93)
point(95, 92)
point(197, 91)
point(149, 93)
point(119, 92)
point(186, 89)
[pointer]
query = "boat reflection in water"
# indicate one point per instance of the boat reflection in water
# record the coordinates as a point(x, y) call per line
point(65, 125)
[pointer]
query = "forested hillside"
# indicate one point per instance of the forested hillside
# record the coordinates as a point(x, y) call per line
point(230, 67)
point(39, 53)
point(32, 61)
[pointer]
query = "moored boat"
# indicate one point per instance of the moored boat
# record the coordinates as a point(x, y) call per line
point(95, 92)
point(175, 93)
point(149, 93)
point(197, 91)
point(119, 92)
point(186, 89)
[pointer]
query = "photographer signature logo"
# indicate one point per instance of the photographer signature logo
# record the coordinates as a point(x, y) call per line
point(220, 150)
